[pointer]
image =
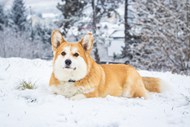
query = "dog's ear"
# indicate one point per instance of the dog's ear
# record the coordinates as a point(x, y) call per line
point(56, 39)
point(87, 42)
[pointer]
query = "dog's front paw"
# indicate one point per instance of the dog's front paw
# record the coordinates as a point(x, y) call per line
point(78, 97)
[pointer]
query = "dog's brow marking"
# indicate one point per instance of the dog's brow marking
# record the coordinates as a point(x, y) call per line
point(67, 49)
point(74, 50)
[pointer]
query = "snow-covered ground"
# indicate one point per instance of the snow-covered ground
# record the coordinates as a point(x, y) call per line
point(40, 108)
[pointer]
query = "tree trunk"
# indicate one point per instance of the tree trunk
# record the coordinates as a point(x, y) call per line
point(127, 28)
point(96, 54)
point(188, 25)
point(93, 16)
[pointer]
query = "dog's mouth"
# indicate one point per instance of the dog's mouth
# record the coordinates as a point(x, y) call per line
point(69, 68)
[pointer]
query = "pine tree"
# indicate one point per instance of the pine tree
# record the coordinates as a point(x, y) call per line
point(18, 15)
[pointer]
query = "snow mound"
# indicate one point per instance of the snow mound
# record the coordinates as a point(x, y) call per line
point(40, 108)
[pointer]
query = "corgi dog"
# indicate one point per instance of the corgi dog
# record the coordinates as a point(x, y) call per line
point(76, 75)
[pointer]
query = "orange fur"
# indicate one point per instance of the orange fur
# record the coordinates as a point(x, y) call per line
point(152, 84)
point(106, 79)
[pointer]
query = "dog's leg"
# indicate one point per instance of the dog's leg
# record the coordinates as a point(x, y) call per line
point(139, 89)
point(54, 84)
point(134, 89)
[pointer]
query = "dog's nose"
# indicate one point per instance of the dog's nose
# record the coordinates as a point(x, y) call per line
point(68, 62)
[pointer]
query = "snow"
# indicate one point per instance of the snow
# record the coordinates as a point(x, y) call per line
point(40, 108)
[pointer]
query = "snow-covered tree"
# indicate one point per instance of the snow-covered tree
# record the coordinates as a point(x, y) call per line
point(19, 38)
point(165, 33)
point(71, 10)
point(42, 33)
point(104, 9)
point(13, 45)
point(18, 17)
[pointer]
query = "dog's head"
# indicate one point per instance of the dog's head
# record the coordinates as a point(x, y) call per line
point(71, 59)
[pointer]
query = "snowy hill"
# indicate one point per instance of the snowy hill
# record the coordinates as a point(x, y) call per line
point(40, 108)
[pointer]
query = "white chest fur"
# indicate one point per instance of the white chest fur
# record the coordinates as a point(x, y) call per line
point(66, 89)
point(69, 90)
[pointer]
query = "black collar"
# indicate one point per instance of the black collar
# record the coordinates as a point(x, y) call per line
point(70, 80)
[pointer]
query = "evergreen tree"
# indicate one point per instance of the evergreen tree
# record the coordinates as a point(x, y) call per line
point(18, 16)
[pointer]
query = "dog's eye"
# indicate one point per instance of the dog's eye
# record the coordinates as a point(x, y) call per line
point(76, 54)
point(63, 53)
